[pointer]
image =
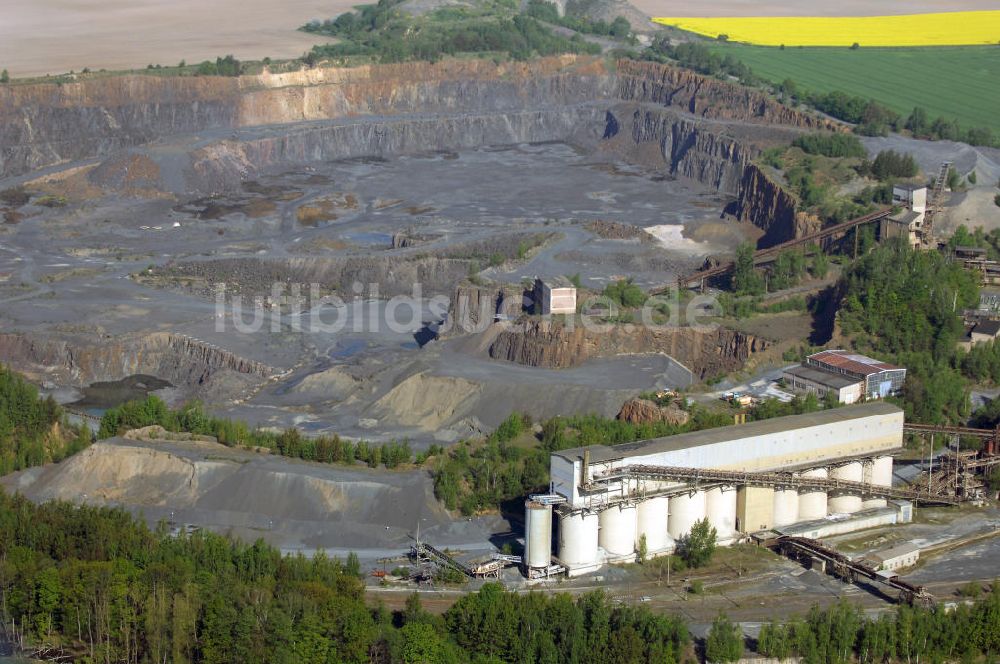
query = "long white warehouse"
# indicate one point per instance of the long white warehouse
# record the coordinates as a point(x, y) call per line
point(606, 522)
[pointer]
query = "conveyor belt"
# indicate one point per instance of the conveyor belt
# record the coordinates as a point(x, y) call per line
point(698, 475)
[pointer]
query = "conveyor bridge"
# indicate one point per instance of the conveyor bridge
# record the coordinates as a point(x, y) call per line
point(804, 548)
point(746, 478)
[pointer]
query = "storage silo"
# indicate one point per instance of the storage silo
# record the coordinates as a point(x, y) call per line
point(841, 501)
point(813, 502)
point(651, 521)
point(578, 539)
point(879, 473)
point(537, 534)
point(720, 507)
point(618, 525)
point(685, 509)
point(786, 505)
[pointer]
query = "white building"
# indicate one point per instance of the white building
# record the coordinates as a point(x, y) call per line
point(816, 381)
point(555, 296)
point(904, 555)
point(911, 196)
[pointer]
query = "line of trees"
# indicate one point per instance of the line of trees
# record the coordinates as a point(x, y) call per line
point(192, 418)
point(841, 634)
point(831, 145)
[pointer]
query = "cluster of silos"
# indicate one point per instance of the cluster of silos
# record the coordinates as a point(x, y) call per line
point(618, 529)
point(818, 503)
point(877, 471)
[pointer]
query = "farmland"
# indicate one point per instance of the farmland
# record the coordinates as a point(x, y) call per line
point(954, 82)
point(939, 29)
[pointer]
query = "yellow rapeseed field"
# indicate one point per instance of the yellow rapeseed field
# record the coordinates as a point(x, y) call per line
point(943, 29)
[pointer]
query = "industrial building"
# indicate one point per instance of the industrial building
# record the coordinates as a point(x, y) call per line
point(555, 296)
point(746, 478)
point(801, 378)
point(908, 223)
point(879, 379)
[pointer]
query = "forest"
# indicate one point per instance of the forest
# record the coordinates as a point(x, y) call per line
point(94, 585)
point(901, 305)
point(33, 430)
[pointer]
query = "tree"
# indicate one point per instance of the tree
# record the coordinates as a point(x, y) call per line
point(820, 265)
point(4, 76)
point(746, 279)
point(643, 549)
point(697, 547)
point(724, 642)
point(918, 122)
point(421, 644)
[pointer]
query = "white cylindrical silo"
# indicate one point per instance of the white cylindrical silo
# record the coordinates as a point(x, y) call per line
point(651, 521)
point(720, 507)
point(617, 535)
point(846, 502)
point(537, 534)
point(685, 509)
point(882, 471)
point(878, 472)
point(786, 505)
point(578, 539)
point(812, 502)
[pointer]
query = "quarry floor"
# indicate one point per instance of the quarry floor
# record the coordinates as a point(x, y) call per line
point(74, 270)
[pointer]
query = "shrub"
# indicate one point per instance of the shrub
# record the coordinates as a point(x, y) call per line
point(831, 145)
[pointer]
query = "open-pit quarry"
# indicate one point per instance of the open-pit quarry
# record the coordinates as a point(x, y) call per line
point(161, 227)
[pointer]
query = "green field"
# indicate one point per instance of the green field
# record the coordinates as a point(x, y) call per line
point(960, 82)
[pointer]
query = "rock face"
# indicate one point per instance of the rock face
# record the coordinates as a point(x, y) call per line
point(541, 343)
point(768, 206)
point(708, 97)
point(474, 308)
point(643, 411)
point(680, 145)
point(173, 357)
point(104, 115)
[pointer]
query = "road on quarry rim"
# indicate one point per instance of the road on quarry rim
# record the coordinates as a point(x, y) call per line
point(804, 8)
point(40, 37)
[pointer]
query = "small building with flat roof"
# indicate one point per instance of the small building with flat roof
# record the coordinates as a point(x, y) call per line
point(816, 381)
point(898, 557)
point(555, 295)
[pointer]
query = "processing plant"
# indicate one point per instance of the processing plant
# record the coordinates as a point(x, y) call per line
point(809, 475)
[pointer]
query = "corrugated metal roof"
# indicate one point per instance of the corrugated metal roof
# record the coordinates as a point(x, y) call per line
point(843, 359)
point(683, 441)
point(826, 378)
